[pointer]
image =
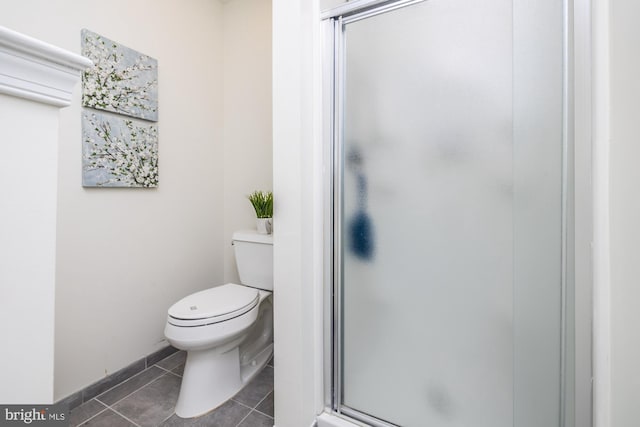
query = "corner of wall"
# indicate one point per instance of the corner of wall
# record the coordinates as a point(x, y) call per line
point(247, 115)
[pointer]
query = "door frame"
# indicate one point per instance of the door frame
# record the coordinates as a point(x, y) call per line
point(587, 126)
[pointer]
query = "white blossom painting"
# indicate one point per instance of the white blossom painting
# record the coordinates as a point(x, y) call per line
point(118, 152)
point(122, 80)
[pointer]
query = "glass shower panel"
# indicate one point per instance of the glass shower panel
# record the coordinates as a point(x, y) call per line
point(450, 216)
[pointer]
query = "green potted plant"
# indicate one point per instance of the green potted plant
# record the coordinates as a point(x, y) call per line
point(262, 202)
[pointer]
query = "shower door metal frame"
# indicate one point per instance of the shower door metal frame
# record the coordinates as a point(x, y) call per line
point(576, 404)
point(334, 51)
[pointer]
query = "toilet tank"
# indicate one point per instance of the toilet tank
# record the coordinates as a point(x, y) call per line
point(254, 258)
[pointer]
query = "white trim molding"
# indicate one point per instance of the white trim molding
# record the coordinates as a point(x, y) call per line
point(601, 261)
point(38, 71)
point(327, 419)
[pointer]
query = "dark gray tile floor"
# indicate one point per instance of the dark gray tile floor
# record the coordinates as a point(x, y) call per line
point(148, 400)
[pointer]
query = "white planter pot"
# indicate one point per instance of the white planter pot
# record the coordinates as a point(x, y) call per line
point(264, 225)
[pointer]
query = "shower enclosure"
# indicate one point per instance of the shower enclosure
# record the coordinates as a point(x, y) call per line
point(449, 156)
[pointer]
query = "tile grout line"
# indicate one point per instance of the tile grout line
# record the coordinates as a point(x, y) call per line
point(94, 415)
point(245, 417)
point(260, 412)
point(134, 391)
point(163, 373)
point(170, 415)
point(173, 373)
point(117, 385)
point(81, 393)
point(131, 421)
point(243, 404)
point(248, 413)
point(174, 355)
point(168, 370)
point(258, 404)
point(106, 406)
point(253, 409)
point(164, 369)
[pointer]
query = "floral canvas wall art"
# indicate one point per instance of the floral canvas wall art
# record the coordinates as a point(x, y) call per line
point(122, 80)
point(118, 152)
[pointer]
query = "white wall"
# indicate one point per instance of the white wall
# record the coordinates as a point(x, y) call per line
point(125, 255)
point(28, 171)
point(297, 213)
point(328, 4)
point(247, 115)
point(625, 212)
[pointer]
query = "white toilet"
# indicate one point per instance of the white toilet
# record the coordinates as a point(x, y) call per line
point(227, 331)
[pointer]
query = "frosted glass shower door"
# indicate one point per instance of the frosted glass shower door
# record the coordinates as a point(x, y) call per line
point(449, 214)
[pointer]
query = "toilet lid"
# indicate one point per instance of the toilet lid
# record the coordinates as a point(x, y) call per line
point(215, 304)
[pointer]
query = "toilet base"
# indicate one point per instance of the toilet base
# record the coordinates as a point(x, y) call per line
point(211, 378)
point(251, 369)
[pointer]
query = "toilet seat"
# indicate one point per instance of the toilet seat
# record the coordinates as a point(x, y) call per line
point(213, 305)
